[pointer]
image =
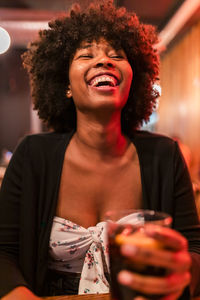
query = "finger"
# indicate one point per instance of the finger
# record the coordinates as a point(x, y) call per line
point(170, 238)
point(174, 283)
point(173, 296)
point(176, 261)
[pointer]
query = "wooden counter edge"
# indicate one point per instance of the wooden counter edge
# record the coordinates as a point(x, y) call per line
point(80, 297)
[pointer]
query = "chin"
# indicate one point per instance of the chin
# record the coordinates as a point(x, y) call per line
point(108, 105)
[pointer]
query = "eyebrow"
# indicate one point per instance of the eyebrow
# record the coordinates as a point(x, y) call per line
point(86, 46)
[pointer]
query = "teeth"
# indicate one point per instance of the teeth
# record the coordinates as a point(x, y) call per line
point(104, 78)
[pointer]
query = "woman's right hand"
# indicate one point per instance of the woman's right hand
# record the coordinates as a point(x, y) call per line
point(20, 293)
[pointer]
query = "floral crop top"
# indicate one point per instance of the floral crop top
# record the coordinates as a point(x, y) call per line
point(75, 249)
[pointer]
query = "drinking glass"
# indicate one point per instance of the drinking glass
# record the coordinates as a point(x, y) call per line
point(128, 227)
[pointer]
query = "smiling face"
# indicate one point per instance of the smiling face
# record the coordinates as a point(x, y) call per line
point(100, 77)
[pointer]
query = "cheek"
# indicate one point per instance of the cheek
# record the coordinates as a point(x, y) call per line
point(129, 73)
point(77, 84)
point(76, 80)
point(128, 76)
point(76, 72)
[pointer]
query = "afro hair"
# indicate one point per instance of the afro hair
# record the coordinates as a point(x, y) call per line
point(47, 61)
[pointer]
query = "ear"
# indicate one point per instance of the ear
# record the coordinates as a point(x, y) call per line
point(68, 92)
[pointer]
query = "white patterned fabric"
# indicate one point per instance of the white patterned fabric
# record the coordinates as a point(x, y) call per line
point(76, 249)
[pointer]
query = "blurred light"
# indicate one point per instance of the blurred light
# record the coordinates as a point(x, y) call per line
point(4, 40)
point(177, 22)
point(157, 88)
point(183, 109)
point(25, 25)
point(196, 81)
point(154, 118)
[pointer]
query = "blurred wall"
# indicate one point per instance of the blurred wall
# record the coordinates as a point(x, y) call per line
point(179, 108)
point(14, 99)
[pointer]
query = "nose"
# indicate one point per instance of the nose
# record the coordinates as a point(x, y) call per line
point(104, 61)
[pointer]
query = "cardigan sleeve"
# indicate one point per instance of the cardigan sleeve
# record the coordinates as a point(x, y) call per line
point(186, 218)
point(10, 193)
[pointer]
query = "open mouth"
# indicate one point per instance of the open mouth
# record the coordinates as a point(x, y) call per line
point(104, 80)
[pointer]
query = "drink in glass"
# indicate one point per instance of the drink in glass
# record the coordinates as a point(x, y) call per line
point(127, 227)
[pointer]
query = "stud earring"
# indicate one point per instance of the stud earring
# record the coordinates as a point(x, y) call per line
point(68, 94)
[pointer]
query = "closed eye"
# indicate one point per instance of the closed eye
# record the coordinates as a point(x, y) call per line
point(118, 57)
point(85, 56)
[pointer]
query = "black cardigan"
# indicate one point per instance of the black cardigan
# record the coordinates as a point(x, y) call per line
point(29, 195)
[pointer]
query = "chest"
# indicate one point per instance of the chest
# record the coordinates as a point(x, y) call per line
point(86, 194)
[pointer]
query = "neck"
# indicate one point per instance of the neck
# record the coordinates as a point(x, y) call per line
point(104, 138)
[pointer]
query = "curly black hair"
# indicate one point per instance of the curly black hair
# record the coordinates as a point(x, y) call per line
point(48, 60)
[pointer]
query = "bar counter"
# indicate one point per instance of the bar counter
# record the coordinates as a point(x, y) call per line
point(81, 297)
point(87, 297)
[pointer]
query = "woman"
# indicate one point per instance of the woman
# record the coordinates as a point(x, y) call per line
point(92, 76)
